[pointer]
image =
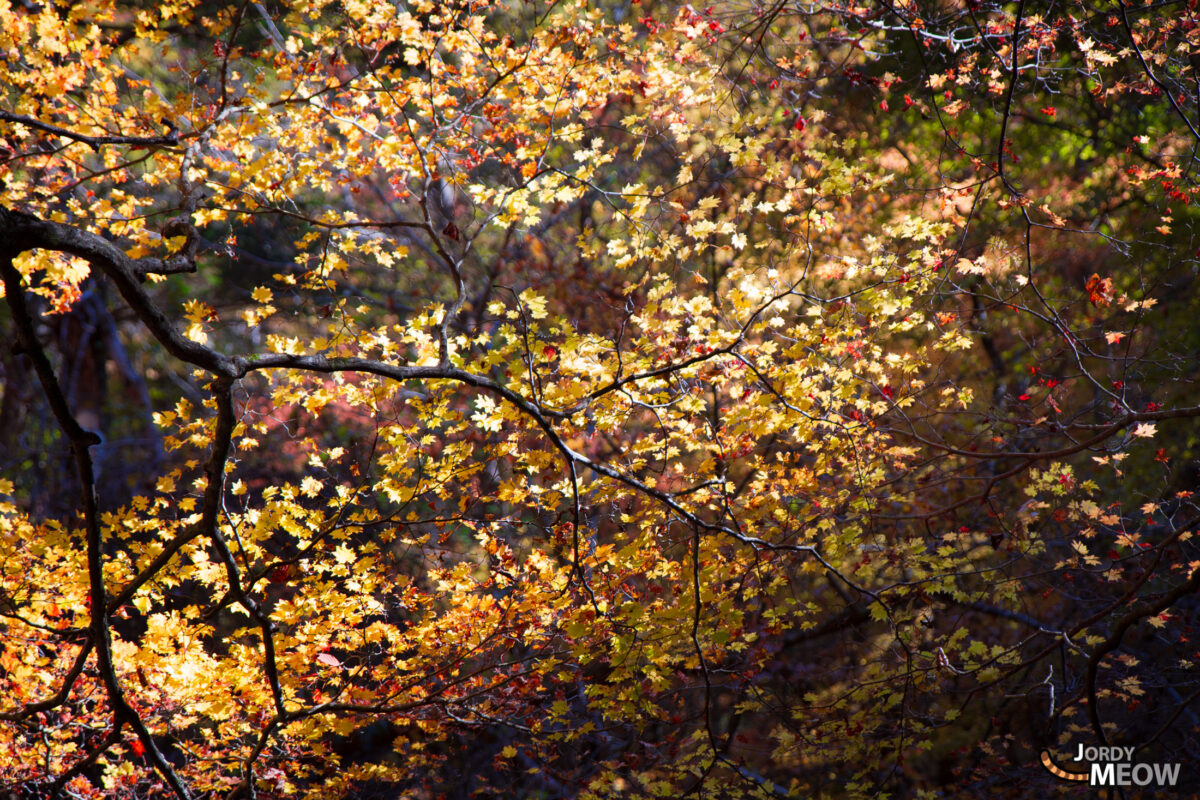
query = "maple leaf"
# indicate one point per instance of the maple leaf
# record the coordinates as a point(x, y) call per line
point(1099, 290)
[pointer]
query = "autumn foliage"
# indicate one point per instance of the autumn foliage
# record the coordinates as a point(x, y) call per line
point(581, 400)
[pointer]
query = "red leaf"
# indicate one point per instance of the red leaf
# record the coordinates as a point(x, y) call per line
point(328, 660)
point(1100, 290)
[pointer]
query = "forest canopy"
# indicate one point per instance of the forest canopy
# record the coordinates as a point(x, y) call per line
point(582, 399)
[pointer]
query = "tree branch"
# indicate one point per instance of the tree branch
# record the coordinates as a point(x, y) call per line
point(94, 142)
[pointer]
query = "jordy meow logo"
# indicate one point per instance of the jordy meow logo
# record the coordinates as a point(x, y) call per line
point(1113, 766)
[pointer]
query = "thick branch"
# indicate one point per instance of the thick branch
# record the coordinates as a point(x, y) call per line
point(94, 142)
point(81, 440)
point(26, 232)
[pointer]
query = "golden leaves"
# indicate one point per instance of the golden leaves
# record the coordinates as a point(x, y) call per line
point(575, 329)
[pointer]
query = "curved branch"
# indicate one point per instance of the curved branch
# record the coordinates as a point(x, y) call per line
point(81, 440)
point(1114, 641)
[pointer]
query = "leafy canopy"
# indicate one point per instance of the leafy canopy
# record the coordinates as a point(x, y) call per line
point(568, 400)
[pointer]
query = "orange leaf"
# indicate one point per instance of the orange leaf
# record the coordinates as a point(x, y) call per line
point(1100, 290)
